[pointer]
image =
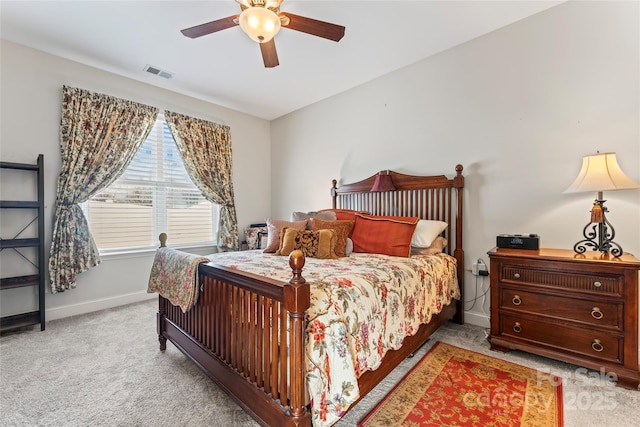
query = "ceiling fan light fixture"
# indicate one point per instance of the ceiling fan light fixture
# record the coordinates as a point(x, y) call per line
point(259, 23)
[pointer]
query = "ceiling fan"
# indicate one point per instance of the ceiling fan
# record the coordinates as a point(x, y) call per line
point(261, 20)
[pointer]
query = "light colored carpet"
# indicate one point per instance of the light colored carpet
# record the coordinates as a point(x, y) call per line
point(105, 369)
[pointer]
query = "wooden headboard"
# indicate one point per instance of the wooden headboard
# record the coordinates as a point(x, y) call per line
point(427, 197)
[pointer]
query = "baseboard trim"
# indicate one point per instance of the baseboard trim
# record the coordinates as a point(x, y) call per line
point(477, 319)
point(105, 303)
point(96, 305)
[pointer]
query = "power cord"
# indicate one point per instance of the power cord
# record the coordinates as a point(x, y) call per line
point(482, 273)
point(479, 277)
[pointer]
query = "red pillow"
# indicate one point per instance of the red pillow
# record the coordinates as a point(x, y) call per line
point(345, 214)
point(387, 235)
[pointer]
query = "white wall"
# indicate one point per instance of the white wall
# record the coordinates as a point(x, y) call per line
point(31, 86)
point(518, 108)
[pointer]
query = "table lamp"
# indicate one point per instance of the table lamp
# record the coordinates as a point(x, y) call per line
point(600, 172)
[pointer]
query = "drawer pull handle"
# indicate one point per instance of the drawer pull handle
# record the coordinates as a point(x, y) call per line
point(596, 313)
point(517, 328)
point(596, 345)
point(516, 275)
point(597, 284)
point(516, 300)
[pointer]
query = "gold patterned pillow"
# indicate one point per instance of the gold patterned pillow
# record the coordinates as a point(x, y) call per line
point(343, 230)
point(313, 244)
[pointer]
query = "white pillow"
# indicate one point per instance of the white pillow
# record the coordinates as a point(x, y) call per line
point(348, 250)
point(426, 232)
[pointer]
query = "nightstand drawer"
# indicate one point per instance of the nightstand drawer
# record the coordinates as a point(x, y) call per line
point(590, 312)
point(596, 283)
point(593, 344)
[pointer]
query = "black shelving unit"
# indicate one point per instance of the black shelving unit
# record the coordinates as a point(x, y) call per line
point(35, 206)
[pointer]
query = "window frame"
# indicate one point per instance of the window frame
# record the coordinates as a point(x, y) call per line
point(159, 222)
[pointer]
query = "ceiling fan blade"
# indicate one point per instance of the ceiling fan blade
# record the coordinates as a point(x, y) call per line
point(314, 27)
point(210, 27)
point(269, 54)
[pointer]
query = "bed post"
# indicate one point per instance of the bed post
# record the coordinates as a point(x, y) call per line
point(458, 253)
point(334, 193)
point(297, 297)
point(160, 316)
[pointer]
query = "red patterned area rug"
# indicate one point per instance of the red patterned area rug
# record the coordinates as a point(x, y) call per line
point(452, 386)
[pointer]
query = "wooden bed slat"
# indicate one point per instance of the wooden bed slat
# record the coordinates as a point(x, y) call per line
point(274, 350)
point(282, 360)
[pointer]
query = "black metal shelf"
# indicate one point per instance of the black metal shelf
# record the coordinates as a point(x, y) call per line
point(19, 243)
point(19, 204)
point(20, 166)
point(19, 281)
point(32, 317)
point(9, 323)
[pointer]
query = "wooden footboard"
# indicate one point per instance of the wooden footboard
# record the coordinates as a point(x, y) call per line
point(243, 330)
point(247, 334)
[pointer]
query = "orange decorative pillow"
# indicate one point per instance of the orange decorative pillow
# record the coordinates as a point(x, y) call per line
point(342, 228)
point(312, 243)
point(387, 235)
point(274, 229)
point(344, 214)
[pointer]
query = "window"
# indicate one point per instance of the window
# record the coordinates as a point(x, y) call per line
point(154, 195)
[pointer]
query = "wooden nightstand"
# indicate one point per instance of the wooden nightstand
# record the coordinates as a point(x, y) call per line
point(582, 309)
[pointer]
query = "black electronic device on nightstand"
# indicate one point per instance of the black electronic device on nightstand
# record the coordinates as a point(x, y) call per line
point(518, 241)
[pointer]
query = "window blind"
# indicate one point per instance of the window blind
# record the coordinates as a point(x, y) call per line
point(154, 195)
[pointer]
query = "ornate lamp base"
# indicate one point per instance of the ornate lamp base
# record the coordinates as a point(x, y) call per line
point(599, 227)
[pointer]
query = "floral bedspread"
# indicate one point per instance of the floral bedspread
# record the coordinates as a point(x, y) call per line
point(361, 307)
point(174, 275)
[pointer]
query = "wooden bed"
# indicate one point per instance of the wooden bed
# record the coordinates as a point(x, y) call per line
point(247, 332)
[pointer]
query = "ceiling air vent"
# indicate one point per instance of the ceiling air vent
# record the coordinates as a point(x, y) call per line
point(158, 72)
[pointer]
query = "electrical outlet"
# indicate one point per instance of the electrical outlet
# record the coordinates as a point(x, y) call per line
point(477, 268)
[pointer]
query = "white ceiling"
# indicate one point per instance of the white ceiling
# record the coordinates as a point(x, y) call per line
point(226, 68)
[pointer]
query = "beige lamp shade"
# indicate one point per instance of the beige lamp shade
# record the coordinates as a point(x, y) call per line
point(601, 172)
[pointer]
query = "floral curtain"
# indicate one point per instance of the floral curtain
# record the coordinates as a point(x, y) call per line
point(205, 148)
point(99, 136)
